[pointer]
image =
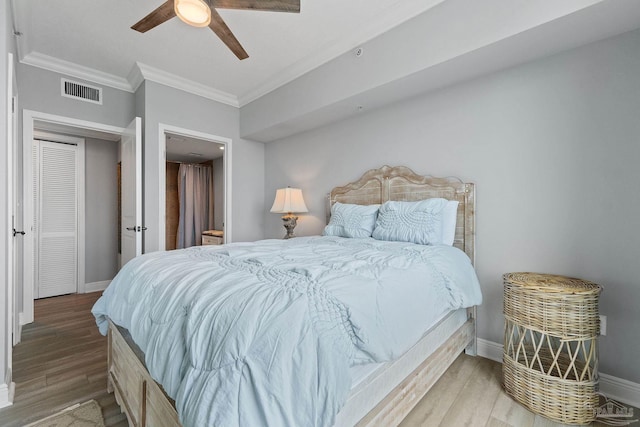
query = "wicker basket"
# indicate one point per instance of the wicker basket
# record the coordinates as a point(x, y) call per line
point(550, 360)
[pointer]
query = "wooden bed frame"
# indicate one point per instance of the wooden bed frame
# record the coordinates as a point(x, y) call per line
point(146, 404)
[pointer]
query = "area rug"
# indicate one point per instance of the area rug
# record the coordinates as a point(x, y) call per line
point(87, 414)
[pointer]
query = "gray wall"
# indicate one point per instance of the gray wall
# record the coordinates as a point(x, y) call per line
point(139, 108)
point(553, 148)
point(40, 91)
point(101, 210)
point(218, 193)
point(139, 104)
point(448, 44)
point(177, 108)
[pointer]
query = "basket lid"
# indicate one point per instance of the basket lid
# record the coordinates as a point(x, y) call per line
point(551, 282)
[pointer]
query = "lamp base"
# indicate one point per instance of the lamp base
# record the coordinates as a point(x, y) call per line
point(289, 222)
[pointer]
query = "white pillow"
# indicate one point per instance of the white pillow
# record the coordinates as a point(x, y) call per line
point(416, 222)
point(349, 220)
point(449, 217)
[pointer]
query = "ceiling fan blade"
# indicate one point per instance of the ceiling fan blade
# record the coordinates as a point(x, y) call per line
point(221, 29)
point(292, 6)
point(155, 18)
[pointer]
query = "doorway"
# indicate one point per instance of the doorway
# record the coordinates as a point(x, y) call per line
point(179, 146)
point(106, 135)
point(194, 192)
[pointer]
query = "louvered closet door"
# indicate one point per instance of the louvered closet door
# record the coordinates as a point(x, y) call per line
point(57, 222)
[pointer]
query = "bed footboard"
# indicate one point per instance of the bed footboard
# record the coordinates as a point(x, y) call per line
point(472, 348)
point(397, 405)
point(139, 396)
point(145, 403)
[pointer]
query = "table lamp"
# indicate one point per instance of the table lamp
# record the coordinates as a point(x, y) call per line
point(289, 201)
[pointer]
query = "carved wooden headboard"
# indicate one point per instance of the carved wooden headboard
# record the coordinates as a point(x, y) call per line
point(402, 184)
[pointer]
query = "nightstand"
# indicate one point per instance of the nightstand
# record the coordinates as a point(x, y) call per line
point(212, 237)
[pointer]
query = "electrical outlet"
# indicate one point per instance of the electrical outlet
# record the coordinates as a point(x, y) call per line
point(603, 325)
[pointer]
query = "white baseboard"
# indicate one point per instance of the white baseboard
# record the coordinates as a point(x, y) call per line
point(6, 394)
point(619, 389)
point(96, 286)
point(18, 334)
point(490, 350)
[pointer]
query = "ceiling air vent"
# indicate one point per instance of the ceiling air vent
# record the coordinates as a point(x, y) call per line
point(81, 91)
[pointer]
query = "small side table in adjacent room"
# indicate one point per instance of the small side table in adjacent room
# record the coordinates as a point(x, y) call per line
point(212, 237)
point(550, 360)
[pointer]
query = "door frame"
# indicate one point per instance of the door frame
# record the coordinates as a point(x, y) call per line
point(7, 386)
point(29, 119)
point(163, 129)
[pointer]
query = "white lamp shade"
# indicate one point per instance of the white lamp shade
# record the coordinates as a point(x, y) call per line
point(288, 200)
point(193, 12)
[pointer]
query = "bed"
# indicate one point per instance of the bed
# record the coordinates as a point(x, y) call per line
point(380, 392)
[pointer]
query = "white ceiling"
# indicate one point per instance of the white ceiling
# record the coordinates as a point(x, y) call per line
point(93, 38)
point(191, 150)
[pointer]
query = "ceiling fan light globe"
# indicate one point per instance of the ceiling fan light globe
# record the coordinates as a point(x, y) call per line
point(193, 12)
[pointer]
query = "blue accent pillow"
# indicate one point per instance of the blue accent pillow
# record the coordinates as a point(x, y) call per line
point(351, 220)
point(416, 222)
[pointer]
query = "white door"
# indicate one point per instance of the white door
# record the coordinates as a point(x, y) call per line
point(56, 226)
point(131, 178)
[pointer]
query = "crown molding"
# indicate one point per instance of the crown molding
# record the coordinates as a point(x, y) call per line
point(400, 13)
point(159, 76)
point(61, 66)
point(140, 72)
point(135, 77)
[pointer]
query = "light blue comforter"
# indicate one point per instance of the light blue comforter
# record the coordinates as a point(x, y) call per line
point(256, 334)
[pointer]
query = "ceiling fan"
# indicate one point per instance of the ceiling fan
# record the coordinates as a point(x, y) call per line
point(202, 13)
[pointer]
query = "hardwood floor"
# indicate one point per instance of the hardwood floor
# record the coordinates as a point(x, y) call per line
point(470, 394)
point(62, 360)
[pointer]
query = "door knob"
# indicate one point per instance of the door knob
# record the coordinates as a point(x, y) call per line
point(17, 232)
